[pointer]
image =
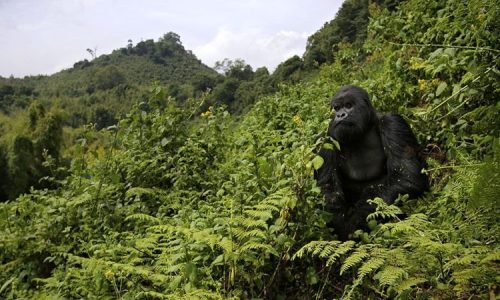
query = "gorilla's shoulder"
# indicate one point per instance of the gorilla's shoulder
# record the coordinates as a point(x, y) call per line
point(395, 130)
point(391, 119)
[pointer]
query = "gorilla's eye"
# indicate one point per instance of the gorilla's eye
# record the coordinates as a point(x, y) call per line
point(348, 105)
point(336, 107)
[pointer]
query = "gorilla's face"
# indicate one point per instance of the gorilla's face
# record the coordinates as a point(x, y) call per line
point(353, 114)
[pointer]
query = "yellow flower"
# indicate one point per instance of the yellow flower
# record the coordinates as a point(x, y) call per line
point(297, 120)
point(207, 113)
point(481, 17)
point(422, 84)
point(417, 63)
point(109, 275)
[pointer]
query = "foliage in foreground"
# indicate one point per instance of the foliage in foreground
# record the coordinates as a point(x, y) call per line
point(179, 205)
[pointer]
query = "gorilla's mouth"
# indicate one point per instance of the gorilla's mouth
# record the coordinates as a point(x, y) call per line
point(344, 123)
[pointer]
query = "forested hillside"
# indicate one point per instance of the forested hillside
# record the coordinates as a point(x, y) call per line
point(184, 200)
point(39, 113)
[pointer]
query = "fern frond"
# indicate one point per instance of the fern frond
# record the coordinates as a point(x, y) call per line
point(200, 294)
point(80, 199)
point(254, 234)
point(369, 266)
point(238, 232)
point(465, 277)
point(254, 246)
point(328, 250)
point(206, 237)
point(342, 249)
point(494, 256)
point(250, 223)
point(408, 283)
point(227, 245)
point(151, 295)
point(139, 191)
point(266, 207)
point(319, 248)
point(170, 229)
point(354, 259)
point(144, 218)
point(390, 275)
point(311, 247)
point(259, 214)
point(383, 210)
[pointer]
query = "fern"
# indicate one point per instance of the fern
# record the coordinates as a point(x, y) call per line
point(255, 246)
point(327, 251)
point(492, 257)
point(371, 265)
point(314, 247)
point(259, 214)
point(408, 283)
point(354, 259)
point(266, 207)
point(144, 218)
point(227, 245)
point(390, 275)
point(248, 223)
point(151, 295)
point(331, 250)
point(198, 294)
point(383, 210)
point(259, 234)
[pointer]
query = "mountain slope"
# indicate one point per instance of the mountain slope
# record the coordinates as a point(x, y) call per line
point(165, 60)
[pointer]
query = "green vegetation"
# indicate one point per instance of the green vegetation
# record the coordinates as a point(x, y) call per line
point(182, 200)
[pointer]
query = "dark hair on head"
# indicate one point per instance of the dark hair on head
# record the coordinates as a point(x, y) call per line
point(357, 91)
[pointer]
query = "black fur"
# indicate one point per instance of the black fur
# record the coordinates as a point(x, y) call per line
point(378, 157)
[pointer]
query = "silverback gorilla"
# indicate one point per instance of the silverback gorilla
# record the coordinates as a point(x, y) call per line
point(378, 157)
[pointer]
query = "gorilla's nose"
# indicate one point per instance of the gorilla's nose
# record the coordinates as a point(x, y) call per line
point(340, 115)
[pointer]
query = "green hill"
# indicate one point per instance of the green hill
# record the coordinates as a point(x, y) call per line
point(178, 203)
point(166, 61)
point(109, 78)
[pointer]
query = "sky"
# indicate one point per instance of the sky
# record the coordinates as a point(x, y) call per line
point(46, 36)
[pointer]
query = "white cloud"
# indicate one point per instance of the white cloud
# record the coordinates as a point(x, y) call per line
point(255, 47)
point(40, 36)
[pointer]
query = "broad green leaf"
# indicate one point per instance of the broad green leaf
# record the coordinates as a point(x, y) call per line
point(317, 162)
point(440, 89)
point(328, 146)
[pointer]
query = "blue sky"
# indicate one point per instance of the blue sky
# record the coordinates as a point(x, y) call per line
point(45, 36)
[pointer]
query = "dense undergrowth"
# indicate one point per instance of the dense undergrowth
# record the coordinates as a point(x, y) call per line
point(178, 205)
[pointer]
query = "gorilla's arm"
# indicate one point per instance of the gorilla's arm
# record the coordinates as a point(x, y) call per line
point(328, 179)
point(404, 167)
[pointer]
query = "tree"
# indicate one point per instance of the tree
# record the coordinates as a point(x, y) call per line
point(21, 165)
point(237, 68)
point(203, 82)
point(3, 174)
point(36, 112)
point(289, 70)
point(93, 52)
point(349, 25)
point(145, 47)
point(103, 117)
point(224, 92)
point(108, 78)
point(49, 136)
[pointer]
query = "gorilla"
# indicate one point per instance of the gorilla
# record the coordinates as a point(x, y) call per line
point(378, 157)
